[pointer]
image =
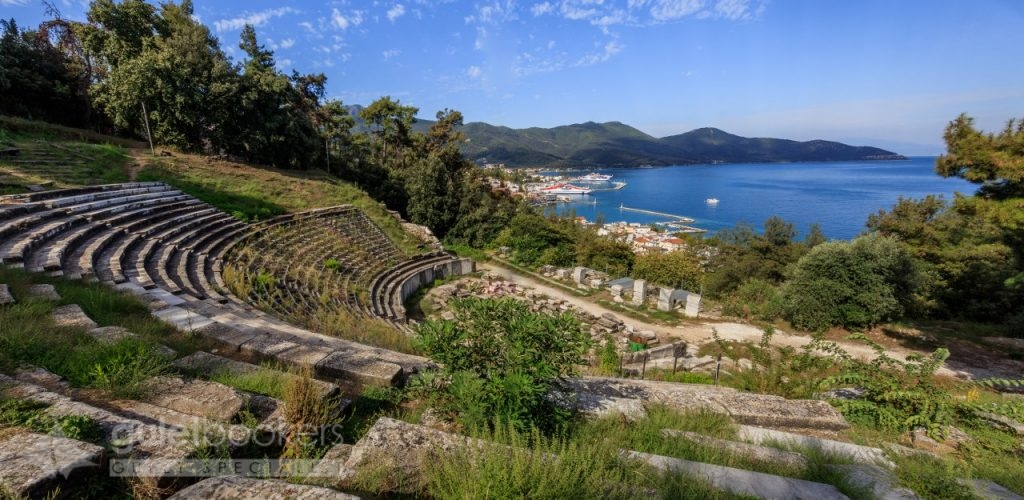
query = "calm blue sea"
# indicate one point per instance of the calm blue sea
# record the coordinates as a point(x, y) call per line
point(837, 195)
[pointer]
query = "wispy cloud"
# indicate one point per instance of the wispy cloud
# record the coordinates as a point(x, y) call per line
point(256, 19)
point(474, 72)
point(13, 2)
point(342, 21)
point(542, 8)
point(494, 13)
point(396, 12)
point(608, 51)
point(287, 43)
point(390, 53)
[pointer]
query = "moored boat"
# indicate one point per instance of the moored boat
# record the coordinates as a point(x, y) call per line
point(595, 177)
point(711, 201)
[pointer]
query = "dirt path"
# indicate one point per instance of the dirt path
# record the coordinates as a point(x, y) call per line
point(702, 332)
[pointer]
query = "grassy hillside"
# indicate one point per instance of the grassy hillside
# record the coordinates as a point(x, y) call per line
point(59, 157)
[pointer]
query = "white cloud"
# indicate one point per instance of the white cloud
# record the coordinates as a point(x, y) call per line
point(308, 26)
point(285, 64)
point(13, 2)
point(390, 53)
point(255, 19)
point(670, 10)
point(474, 72)
point(342, 21)
point(481, 38)
point(542, 8)
point(734, 10)
point(610, 49)
point(396, 12)
point(287, 43)
point(493, 13)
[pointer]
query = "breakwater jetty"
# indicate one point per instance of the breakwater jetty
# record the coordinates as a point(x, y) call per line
point(652, 212)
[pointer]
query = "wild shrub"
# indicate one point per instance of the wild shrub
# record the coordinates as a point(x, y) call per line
point(307, 413)
point(500, 361)
point(898, 395)
point(609, 357)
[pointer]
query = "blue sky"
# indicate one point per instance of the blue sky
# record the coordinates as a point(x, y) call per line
point(889, 73)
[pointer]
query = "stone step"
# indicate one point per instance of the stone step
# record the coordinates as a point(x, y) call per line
point(206, 364)
point(750, 451)
point(600, 396)
point(857, 453)
point(37, 465)
point(232, 487)
point(72, 315)
point(201, 398)
point(125, 436)
point(739, 481)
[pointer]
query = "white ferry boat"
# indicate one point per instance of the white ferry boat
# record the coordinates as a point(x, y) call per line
point(564, 189)
point(595, 177)
point(711, 201)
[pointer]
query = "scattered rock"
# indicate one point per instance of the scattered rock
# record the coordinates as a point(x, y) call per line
point(843, 393)
point(742, 482)
point(110, 334)
point(33, 465)
point(43, 291)
point(230, 487)
point(1003, 422)
point(920, 440)
point(72, 315)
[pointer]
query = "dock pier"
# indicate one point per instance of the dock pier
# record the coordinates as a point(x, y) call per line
point(659, 214)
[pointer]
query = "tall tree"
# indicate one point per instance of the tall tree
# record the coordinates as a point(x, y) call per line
point(391, 123)
point(994, 160)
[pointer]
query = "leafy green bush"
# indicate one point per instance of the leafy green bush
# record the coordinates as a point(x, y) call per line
point(755, 298)
point(855, 284)
point(500, 360)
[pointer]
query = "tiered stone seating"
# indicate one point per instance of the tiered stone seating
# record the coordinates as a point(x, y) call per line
point(167, 247)
point(390, 289)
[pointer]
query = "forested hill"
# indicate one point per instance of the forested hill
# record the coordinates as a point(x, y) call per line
point(614, 144)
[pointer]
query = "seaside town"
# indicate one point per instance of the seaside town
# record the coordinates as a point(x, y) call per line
point(541, 187)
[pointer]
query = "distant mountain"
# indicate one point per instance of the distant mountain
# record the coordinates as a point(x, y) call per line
point(614, 144)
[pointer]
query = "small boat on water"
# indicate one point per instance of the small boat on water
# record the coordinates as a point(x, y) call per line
point(595, 177)
point(564, 189)
point(711, 201)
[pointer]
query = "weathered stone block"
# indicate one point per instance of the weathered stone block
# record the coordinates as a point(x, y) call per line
point(742, 482)
point(197, 397)
point(33, 465)
point(361, 368)
point(72, 315)
point(639, 292)
point(43, 291)
point(752, 451)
